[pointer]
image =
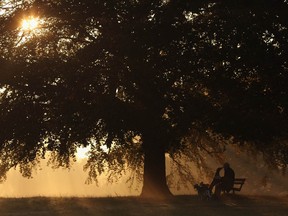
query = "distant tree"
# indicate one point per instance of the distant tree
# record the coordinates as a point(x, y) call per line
point(138, 79)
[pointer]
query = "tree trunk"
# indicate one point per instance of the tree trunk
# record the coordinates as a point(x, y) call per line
point(154, 182)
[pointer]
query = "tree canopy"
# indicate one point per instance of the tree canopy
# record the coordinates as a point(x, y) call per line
point(137, 79)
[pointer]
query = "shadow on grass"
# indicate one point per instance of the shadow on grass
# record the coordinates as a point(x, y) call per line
point(118, 206)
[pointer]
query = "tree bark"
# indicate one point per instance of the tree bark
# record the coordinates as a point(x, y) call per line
point(154, 181)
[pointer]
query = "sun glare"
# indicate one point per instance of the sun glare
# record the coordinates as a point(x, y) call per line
point(82, 152)
point(29, 24)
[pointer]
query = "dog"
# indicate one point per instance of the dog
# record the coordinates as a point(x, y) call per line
point(203, 191)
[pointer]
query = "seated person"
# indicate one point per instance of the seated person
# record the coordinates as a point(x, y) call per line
point(224, 183)
point(217, 178)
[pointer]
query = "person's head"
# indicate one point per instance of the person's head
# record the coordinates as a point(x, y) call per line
point(226, 165)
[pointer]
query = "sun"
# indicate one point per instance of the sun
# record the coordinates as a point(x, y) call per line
point(82, 152)
point(29, 28)
point(30, 23)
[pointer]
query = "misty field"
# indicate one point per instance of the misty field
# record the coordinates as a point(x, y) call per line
point(178, 206)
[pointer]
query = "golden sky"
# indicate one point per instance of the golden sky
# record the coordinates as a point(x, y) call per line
point(60, 182)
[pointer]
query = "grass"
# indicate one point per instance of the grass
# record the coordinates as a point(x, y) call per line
point(125, 206)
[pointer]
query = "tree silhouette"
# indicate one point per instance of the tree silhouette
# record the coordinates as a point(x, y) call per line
point(138, 79)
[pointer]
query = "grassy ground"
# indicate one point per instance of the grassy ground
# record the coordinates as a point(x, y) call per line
point(126, 206)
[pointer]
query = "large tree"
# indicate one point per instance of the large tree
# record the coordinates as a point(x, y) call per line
point(138, 79)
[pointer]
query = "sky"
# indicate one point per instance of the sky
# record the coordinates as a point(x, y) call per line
point(60, 182)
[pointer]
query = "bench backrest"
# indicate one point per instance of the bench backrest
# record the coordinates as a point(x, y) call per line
point(239, 180)
point(238, 183)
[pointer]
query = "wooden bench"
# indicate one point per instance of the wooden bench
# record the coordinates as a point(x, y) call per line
point(238, 184)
